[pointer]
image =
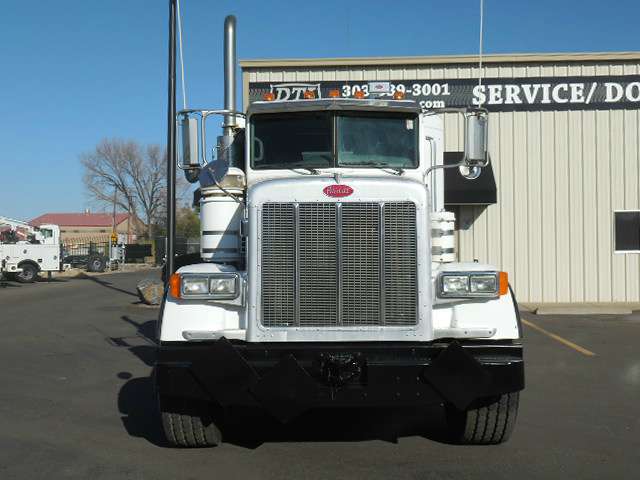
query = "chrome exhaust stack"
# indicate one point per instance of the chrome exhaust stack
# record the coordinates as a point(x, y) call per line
point(225, 142)
point(230, 65)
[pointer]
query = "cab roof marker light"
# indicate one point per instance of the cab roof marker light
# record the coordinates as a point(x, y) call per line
point(359, 94)
point(309, 95)
point(334, 93)
point(398, 95)
point(269, 97)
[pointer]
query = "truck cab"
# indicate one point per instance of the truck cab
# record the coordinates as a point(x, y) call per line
point(328, 275)
point(35, 250)
point(48, 234)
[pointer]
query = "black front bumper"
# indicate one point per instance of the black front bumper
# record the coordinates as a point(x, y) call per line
point(289, 378)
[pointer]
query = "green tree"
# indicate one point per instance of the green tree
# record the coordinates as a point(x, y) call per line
point(187, 223)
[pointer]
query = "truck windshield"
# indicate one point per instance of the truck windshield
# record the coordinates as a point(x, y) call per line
point(309, 140)
point(291, 140)
point(374, 140)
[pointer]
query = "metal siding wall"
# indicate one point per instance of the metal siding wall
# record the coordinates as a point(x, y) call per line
point(559, 174)
point(632, 192)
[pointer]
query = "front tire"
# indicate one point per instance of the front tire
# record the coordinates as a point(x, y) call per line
point(188, 423)
point(488, 423)
point(96, 263)
point(29, 273)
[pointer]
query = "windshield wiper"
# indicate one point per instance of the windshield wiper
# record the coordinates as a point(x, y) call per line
point(382, 166)
point(312, 171)
point(294, 166)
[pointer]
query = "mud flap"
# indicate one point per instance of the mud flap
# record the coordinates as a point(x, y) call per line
point(457, 376)
point(227, 385)
point(287, 390)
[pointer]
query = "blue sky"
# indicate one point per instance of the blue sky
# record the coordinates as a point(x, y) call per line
point(77, 71)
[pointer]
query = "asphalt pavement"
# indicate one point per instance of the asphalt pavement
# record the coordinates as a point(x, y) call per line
point(76, 401)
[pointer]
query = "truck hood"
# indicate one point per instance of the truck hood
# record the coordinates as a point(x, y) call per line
point(345, 189)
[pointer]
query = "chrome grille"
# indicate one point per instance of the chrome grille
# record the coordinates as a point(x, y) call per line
point(360, 265)
point(278, 265)
point(400, 267)
point(330, 264)
point(318, 273)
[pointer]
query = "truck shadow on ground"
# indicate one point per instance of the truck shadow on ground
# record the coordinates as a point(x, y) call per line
point(250, 428)
point(106, 284)
point(142, 345)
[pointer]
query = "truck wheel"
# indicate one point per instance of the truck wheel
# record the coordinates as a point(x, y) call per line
point(28, 274)
point(96, 263)
point(489, 423)
point(188, 423)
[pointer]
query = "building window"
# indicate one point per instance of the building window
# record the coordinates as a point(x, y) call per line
point(627, 231)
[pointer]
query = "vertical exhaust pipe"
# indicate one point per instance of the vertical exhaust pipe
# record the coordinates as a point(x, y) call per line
point(225, 142)
point(230, 65)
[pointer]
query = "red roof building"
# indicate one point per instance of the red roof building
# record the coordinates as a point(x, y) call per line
point(79, 219)
point(83, 227)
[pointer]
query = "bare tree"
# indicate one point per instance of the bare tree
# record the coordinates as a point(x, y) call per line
point(133, 175)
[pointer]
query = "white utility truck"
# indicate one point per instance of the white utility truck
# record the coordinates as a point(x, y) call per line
point(327, 275)
point(26, 251)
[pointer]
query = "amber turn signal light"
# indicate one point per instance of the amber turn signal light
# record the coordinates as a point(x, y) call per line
point(174, 285)
point(503, 283)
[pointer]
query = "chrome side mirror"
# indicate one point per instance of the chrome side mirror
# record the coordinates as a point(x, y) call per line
point(189, 161)
point(190, 155)
point(475, 140)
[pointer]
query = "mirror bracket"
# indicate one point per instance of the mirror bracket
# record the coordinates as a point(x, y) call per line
point(469, 168)
point(192, 123)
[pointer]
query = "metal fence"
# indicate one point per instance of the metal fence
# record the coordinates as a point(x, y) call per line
point(136, 253)
point(133, 252)
point(85, 249)
point(182, 247)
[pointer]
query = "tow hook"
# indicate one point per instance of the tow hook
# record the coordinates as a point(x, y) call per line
point(337, 369)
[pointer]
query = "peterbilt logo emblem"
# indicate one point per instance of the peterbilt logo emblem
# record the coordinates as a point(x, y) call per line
point(294, 91)
point(337, 190)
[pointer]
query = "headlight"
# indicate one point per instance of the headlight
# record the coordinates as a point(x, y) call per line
point(483, 283)
point(455, 284)
point(194, 286)
point(222, 286)
point(472, 284)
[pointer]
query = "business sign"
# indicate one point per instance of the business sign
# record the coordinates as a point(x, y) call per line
point(494, 94)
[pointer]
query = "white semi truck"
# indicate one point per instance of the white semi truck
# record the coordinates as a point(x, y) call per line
point(25, 251)
point(327, 274)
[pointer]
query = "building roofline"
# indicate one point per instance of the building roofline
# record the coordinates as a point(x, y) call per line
point(443, 59)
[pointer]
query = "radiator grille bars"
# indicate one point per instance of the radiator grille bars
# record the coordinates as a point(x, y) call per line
point(331, 264)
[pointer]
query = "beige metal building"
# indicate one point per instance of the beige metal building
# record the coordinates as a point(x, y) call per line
point(565, 152)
